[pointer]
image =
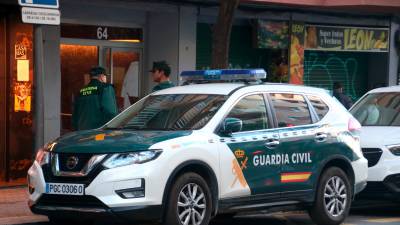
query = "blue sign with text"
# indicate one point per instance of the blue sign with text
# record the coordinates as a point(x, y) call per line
point(39, 3)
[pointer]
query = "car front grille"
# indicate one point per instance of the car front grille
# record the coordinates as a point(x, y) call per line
point(70, 201)
point(81, 161)
point(48, 169)
point(372, 155)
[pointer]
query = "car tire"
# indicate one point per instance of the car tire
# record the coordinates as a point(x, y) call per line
point(189, 199)
point(333, 198)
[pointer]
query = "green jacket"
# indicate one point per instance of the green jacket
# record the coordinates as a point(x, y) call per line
point(94, 106)
point(163, 85)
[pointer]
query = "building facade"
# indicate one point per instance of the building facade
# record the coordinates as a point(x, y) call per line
point(42, 66)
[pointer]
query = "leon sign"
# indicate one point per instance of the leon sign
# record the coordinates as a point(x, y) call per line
point(331, 38)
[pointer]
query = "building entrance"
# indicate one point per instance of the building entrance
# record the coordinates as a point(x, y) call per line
point(123, 62)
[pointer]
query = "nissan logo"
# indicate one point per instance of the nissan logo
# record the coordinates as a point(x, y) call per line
point(72, 161)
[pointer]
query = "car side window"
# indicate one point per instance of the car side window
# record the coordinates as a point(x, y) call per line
point(290, 109)
point(320, 107)
point(252, 111)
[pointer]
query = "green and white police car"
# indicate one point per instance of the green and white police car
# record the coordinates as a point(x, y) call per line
point(186, 154)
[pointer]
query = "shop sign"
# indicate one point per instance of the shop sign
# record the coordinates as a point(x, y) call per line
point(41, 16)
point(272, 34)
point(331, 38)
point(20, 51)
point(101, 33)
point(39, 3)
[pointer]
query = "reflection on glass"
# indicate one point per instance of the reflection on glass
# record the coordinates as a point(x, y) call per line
point(76, 62)
point(20, 82)
point(125, 75)
point(291, 110)
point(378, 109)
point(251, 110)
point(169, 112)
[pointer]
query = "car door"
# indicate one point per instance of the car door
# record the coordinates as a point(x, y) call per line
point(297, 135)
point(249, 145)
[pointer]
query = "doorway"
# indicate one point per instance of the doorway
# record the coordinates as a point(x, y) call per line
point(122, 61)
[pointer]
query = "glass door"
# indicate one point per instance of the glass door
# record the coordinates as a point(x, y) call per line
point(124, 65)
point(77, 58)
point(76, 62)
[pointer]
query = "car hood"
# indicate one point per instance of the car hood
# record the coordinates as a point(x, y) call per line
point(112, 141)
point(374, 136)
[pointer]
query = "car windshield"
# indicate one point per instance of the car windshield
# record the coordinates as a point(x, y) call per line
point(378, 109)
point(169, 112)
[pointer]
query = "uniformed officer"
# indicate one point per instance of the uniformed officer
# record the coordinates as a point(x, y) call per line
point(95, 105)
point(160, 73)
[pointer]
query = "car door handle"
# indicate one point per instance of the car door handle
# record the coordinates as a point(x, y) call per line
point(272, 144)
point(321, 137)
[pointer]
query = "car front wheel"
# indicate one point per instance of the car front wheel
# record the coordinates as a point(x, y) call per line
point(333, 198)
point(189, 202)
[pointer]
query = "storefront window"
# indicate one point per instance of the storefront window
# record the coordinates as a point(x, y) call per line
point(267, 50)
point(20, 105)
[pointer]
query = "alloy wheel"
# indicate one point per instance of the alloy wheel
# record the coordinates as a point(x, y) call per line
point(191, 207)
point(335, 196)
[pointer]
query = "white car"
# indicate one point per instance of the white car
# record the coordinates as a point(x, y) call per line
point(185, 154)
point(379, 113)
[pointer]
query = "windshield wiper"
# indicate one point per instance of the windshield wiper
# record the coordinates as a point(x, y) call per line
point(147, 128)
point(135, 128)
point(111, 128)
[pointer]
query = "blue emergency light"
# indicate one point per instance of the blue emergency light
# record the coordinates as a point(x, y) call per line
point(246, 75)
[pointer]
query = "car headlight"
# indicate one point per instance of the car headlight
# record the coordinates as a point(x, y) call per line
point(42, 157)
point(394, 149)
point(124, 159)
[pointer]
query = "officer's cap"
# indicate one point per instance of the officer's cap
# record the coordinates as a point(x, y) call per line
point(161, 65)
point(97, 70)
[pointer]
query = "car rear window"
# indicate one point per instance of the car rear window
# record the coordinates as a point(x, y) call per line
point(290, 109)
point(320, 107)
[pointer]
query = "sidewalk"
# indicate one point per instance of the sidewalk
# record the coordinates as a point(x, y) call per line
point(14, 207)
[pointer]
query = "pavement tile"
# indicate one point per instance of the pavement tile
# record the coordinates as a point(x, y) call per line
point(13, 202)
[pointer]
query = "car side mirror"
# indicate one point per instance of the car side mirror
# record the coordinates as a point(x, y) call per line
point(231, 125)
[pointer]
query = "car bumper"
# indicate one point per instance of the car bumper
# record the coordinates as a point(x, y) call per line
point(360, 168)
point(101, 198)
point(389, 189)
point(387, 165)
point(135, 214)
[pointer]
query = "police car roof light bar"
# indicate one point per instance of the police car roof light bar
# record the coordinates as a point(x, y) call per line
point(223, 75)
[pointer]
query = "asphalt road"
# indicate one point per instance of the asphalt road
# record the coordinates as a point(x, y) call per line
point(368, 215)
point(14, 210)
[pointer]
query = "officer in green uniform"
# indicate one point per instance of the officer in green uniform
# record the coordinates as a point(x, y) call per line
point(95, 105)
point(160, 73)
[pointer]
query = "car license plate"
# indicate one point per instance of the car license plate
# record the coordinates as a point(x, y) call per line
point(65, 189)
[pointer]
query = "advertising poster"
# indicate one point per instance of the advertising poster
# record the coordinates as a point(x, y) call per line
point(22, 96)
point(329, 38)
point(272, 34)
point(297, 53)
